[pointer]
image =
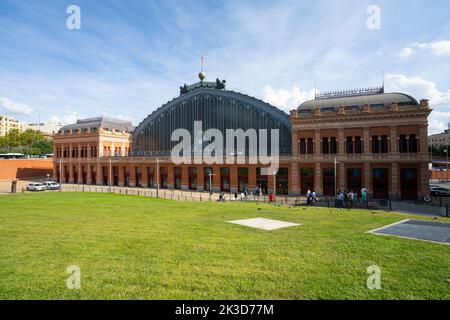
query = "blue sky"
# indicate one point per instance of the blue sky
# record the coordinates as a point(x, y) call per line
point(130, 57)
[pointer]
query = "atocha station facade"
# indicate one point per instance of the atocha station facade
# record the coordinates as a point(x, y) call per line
point(375, 140)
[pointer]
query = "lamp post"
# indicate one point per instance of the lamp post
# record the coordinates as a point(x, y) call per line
point(335, 176)
point(157, 176)
point(60, 174)
point(110, 175)
point(210, 174)
point(275, 185)
point(447, 164)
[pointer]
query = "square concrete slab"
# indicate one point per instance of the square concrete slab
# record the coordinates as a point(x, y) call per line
point(419, 230)
point(264, 224)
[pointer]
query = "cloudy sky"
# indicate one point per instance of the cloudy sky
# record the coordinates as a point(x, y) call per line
point(131, 56)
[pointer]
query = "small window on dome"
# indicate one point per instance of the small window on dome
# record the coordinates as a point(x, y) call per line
point(377, 106)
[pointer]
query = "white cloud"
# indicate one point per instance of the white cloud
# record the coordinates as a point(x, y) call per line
point(419, 88)
point(438, 122)
point(424, 89)
point(406, 52)
point(14, 106)
point(439, 48)
point(286, 99)
point(68, 117)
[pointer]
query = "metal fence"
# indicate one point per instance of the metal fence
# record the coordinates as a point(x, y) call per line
point(205, 196)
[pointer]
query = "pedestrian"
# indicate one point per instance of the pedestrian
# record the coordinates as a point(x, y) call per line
point(308, 197)
point(364, 195)
point(346, 198)
point(350, 200)
point(313, 196)
point(340, 199)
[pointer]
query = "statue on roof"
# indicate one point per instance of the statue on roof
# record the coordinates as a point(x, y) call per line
point(183, 89)
point(220, 84)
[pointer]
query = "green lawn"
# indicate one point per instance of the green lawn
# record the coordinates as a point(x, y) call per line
point(131, 247)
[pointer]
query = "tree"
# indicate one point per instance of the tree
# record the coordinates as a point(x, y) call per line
point(29, 142)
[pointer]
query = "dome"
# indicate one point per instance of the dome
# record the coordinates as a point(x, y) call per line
point(358, 101)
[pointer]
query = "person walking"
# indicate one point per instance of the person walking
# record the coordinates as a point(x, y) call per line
point(313, 197)
point(364, 195)
point(350, 200)
point(340, 200)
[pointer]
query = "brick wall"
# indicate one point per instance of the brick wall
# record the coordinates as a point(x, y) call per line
point(25, 168)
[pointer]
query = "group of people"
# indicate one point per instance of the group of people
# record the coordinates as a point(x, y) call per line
point(349, 199)
point(242, 196)
point(311, 197)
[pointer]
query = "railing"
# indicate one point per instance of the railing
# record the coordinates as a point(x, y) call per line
point(191, 196)
point(224, 152)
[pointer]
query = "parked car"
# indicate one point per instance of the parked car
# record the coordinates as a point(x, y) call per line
point(439, 191)
point(51, 185)
point(35, 186)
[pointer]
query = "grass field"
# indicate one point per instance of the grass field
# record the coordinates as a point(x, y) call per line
point(131, 247)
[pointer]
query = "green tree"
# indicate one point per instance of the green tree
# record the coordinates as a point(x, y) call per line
point(29, 142)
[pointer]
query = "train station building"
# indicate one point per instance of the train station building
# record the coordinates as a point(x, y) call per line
point(375, 140)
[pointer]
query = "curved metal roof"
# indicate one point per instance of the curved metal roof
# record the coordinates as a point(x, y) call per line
point(228, 94)
point(371, 99)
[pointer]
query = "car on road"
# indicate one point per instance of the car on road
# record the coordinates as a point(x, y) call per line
point(35, 186)
point(51, 185)
point(439, 191)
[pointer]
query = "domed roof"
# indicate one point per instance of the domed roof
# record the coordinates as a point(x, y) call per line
point(358, 101)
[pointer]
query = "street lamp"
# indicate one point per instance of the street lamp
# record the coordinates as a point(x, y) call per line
point(110, 175)
point(210, 174)
point(157, 176)
point(335, 176)
point(446, 151)
point(275, 184)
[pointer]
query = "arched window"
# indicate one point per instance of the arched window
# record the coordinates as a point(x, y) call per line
point(349, 145)
point(302, 146)
point(375, 145)
point(333, 146)
point(413, 143)
point(358, 145)
point(325, 146)
point(403, 144)
point(310, 146)
point(384, 144)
